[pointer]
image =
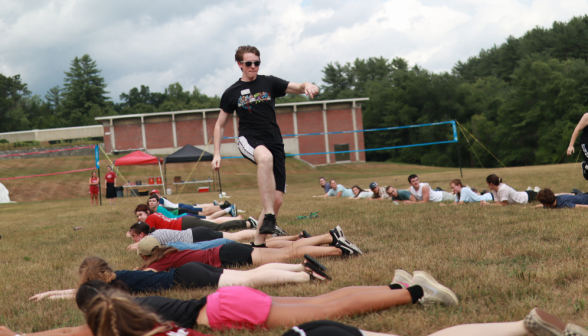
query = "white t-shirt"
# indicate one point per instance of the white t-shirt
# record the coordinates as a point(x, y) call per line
point(506, 193)
point(365, 194)
point(434, 196)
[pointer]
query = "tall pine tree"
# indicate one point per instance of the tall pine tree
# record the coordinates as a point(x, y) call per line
point(84, 92)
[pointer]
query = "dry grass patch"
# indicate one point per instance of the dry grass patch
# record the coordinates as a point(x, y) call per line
point(501, 262)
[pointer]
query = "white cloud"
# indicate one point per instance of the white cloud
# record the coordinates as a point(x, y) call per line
point(193, 42)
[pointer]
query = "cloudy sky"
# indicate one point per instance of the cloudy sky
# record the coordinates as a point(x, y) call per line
point(156, 43)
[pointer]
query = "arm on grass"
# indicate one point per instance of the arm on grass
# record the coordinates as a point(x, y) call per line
point(82, 330)
point(57, 294)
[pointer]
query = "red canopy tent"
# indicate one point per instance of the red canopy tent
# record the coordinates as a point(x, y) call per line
point(140, 158)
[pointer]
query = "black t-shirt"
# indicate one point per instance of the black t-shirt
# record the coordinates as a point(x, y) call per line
point(255, 103)
point(182, 312)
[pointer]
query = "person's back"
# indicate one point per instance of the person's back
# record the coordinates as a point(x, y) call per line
point(468, 196)
point(403, 195)
point(340, 188)
point(570, 201)
point(166, 236)
point(506, 193)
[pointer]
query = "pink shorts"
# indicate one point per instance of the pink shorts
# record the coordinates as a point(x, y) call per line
point(237, 307)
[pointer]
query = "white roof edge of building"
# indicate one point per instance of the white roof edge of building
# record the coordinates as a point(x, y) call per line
point(51, 129)
point(218, 109)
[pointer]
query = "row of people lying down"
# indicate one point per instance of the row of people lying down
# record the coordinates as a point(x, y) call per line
point(499, 193)
point(207, 211)
point(110, 311)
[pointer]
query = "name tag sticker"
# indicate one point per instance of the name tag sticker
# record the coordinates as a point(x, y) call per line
point(246, 91)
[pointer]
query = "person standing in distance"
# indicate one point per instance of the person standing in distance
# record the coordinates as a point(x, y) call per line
point(110, 185)
point(581, 127)
point(260, 139)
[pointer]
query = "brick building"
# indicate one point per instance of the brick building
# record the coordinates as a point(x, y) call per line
point(165, 132)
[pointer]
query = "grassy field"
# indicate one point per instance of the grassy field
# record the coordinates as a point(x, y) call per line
point(500, 261)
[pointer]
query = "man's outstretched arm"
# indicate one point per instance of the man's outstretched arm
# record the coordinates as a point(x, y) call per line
point(307, 88)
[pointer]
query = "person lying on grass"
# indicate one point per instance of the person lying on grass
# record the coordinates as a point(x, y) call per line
point(466, 194)
point(338, 190)
point(153, 204)
point(236, 254)
point(190, 275)
point(505, 195)
point(187, 239)
point(398, 194)
point(359, 193)
point(205, 209)
point(378, 193)
point(192, 313)
point(549, 200)
point(240, 307)
point(422, 192)
point(537, 323)
point(159, 221)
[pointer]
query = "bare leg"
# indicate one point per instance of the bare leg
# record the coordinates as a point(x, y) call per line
point(245, 235)
point(283, 238)
point(312, 241)
point(280, 266)
point(288, 314)
point(216, 215)
point(262, 256)
point(331, 296)
point(486, 329)
point(261, 278)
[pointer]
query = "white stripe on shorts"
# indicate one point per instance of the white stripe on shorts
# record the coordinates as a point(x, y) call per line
point(246, 149)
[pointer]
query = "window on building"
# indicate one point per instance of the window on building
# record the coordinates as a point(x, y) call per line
point(342, 156)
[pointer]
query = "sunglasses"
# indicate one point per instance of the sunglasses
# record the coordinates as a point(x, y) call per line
point(249, 63)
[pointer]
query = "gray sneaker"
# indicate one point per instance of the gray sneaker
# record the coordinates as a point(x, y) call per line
point(434, 292)
point(402, 278)
point(542, 323)
point(574, 330)
point(280, 232)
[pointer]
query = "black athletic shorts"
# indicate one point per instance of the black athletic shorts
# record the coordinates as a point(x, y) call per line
point(532, 195)
point(323, 328)
point(247, 145)
point(202, 233)
point(183, 313)
point(197, 275)
point(235, 254)
point(584, 148)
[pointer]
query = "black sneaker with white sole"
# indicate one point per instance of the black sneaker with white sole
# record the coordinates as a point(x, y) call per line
point(253, 222)
point(347, 247)
point(336, 233)
point(269, 224)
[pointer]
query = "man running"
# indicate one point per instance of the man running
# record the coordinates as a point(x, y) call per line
point(260, 139)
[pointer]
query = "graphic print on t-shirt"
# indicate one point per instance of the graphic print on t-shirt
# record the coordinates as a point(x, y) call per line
point(246, 101)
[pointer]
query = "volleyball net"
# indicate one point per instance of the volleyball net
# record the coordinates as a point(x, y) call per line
point(381, 129)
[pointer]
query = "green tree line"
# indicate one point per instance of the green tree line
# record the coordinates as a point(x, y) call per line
point(520, 100)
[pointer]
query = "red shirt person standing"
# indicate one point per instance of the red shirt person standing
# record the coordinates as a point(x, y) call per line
point(110, 185)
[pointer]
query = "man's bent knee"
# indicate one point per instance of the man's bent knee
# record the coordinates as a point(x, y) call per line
point(263, 155)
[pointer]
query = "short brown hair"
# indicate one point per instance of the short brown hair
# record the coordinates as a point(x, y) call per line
point(242, 50)
point(456, 182)
point(546, 196)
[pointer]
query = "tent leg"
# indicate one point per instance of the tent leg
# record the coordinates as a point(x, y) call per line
point(164, 175)
point(161, 172)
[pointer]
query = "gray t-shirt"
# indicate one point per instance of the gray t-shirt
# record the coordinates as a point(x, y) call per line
point(165, 236)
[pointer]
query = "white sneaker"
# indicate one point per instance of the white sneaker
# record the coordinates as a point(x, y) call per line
point(402, 278)
point(537, 189)
point(574, 330)
point(434, 292)
point(529, 188)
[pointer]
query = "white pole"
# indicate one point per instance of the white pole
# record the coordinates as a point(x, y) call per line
point(161, 172)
